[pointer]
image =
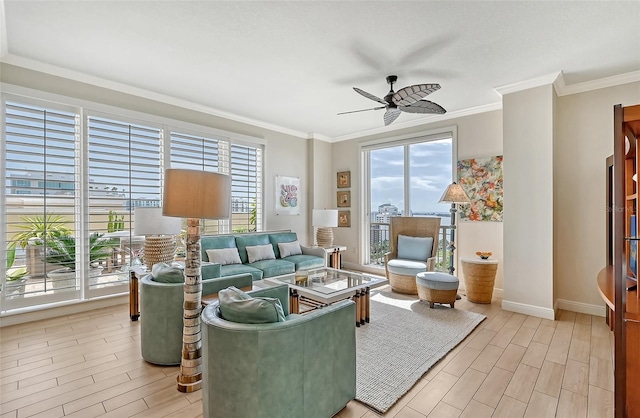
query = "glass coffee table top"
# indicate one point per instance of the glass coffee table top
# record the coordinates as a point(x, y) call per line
point(328, 281)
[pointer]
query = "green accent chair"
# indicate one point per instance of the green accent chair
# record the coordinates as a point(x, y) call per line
point(161, 313)
point(302, 367)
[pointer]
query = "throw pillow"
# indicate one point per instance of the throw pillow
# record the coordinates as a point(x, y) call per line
point(238, 306)
point(224, 256)
point(414, 248)
point(164, 273)
point(289, 248)
point(260, 252)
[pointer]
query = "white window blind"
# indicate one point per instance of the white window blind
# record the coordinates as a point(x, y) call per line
point(246, 188)
point(41, 189)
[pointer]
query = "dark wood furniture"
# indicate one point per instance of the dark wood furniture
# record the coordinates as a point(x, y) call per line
point(616, 282)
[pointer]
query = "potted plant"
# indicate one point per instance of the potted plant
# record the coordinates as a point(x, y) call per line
point(61, 250)
point(16, 277)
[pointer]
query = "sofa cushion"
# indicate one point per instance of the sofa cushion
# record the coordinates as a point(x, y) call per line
point(305, 262)
point(232, 269)
point(260, 252)
point(272, 268)
point(406, 267)
point(279, 237)
point(214, 242)
point(163, 273)
point(242, 241)
point(289, 248)
point(224, 256)
point(237, 306)
point(414, 248)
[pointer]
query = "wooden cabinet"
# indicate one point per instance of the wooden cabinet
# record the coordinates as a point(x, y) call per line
point(624, 240)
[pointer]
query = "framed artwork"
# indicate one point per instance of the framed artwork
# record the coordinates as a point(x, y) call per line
point(344, 179)
point(287, 195)
point(344, 218)
point(481, 179)
point(344, 199)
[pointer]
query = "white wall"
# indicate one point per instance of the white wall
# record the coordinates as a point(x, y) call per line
point(528, 201)
point(322, 184)
point(584, 140)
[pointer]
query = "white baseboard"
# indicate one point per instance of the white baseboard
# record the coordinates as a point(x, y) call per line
point(585, 308)
point(540, 312)
point(62, 310)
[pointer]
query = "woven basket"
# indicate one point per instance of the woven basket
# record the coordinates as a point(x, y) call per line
point(479, 280)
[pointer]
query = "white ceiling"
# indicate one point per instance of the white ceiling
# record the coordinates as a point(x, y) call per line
point(292, 64)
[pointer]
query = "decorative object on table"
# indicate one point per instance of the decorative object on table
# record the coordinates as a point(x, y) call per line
point(287, 195)
point(479, 278)
point(344, 179)
point(159, 232)
point(324, 220)
point(344, 199)
point(403, 343)
point(344, 218)
point(484, 254)
point(406, 99)
point(481, 179)
point(454, 194)
point(194, 195)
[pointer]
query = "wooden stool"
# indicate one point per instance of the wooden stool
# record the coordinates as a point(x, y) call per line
point(437, 287)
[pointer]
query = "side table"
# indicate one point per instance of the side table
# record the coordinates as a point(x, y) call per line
point(479, 278)
point(334, 255)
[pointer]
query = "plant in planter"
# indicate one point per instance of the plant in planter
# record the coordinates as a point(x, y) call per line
point(16, 277)
point(61, 251)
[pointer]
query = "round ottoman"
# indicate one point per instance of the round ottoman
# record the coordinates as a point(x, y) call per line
point(437, 287)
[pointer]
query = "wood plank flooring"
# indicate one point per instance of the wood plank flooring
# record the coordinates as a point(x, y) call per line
point(511, 366)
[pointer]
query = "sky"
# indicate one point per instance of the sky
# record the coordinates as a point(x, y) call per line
point(430, 174)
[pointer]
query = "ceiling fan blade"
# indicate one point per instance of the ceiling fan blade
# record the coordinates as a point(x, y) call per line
point(411, 94)
point(362, 110)
point(423, 106)
point(369, 96)
point(390, 115)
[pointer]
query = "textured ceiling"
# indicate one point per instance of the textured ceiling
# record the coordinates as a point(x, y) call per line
point(293, 64)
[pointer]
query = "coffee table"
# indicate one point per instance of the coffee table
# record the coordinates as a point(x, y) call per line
point(316, 288)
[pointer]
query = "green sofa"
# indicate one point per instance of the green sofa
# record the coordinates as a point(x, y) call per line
point(302, 367)
point(311, 257)
point(161, 312)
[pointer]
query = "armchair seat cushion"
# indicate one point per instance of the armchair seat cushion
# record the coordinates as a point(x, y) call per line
point(232, 269)
point(406, 267)
point(271, 268)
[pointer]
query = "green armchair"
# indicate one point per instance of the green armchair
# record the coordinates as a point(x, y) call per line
point(161, 312)
point(302, 367)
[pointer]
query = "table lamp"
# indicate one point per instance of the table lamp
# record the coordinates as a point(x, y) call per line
point(453, 194)
point(159, 232)
point(194, 195)
point(324, 220)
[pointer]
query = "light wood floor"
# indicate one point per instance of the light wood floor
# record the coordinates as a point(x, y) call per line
point(512, 365)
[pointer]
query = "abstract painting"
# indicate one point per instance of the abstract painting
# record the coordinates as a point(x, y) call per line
point(287, 195)
point(481, 179)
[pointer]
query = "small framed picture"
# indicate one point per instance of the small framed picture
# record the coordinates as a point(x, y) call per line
point(344, 218)
point(344, 179)
point(344, 199)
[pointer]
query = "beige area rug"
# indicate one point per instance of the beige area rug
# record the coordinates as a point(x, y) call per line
point(403, 341)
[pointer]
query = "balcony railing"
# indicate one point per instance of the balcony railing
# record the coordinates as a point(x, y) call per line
point(379, 245)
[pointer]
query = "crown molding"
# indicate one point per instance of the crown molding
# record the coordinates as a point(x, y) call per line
point(146, 94)
point(528, 84)
point(320, 137)
point(562, 89)
point(421, 121)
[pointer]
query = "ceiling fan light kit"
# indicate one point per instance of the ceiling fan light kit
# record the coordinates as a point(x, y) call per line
point(408, 99)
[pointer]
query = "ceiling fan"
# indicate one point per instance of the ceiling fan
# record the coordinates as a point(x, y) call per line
point(407, 99)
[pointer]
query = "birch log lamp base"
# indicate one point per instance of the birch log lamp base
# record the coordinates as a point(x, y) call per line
point(194, 195)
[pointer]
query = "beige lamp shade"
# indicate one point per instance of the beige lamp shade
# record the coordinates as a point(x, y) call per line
point(149, 221)
point(454, 194)
point(196, 194)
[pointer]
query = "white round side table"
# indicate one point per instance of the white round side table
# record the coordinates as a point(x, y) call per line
point(479, 278)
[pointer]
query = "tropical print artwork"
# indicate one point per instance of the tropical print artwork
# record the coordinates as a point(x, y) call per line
point(481, 178)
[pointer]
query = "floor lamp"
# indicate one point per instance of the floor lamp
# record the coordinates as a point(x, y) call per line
point(159, 232)
point(454, 194)
point(194, 195)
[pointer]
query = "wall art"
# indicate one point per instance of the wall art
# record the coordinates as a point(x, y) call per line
point(287, 195)
point(344, 218)
point(344, 199)
point(481, 179)
point(344, 179)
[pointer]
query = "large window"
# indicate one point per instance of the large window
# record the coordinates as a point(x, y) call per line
point(404, 178)
point(73, 179)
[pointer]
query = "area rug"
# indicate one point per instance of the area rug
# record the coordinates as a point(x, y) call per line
point(404, 339)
